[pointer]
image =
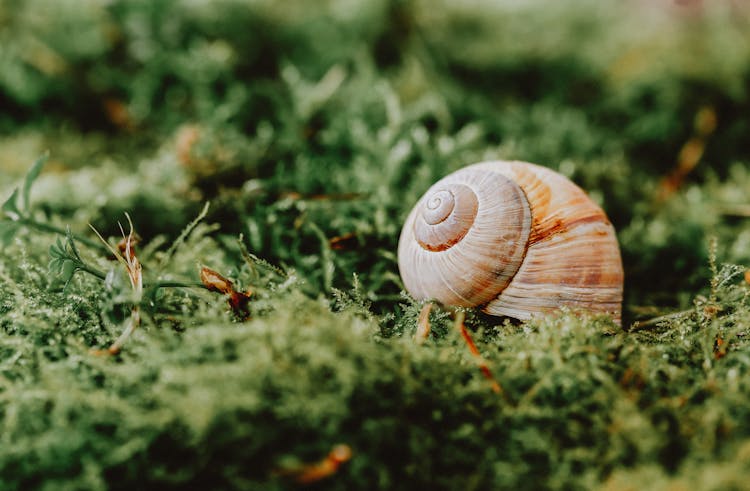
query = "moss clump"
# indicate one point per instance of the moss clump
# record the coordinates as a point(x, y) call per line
point(311, 134)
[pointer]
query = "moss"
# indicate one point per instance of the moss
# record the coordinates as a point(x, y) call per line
point(311, 134)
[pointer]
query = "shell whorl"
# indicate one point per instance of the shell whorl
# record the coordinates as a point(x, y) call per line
point(465, 239)
point(445, 217)
point(516, 239)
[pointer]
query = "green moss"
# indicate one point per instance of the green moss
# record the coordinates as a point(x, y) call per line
point(311, 132)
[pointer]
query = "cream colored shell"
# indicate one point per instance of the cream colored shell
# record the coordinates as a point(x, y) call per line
point(516, 239)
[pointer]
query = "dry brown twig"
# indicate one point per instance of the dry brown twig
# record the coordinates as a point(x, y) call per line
point(483, 366)
point(690, 153)
point(317, 471)
point(343, 242)
point(423, 332)
point(423, 324)
point(125, 253)
point(238, 301)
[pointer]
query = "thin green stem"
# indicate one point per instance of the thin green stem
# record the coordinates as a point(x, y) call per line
point(46, 227)
point(639, 325)
point(92, 271)
point(173, 284)
point(146, 286)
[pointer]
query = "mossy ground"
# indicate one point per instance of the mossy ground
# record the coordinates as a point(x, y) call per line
point(311, 132)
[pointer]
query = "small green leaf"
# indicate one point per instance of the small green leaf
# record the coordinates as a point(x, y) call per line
point(31, 176)
point(8, 231)
point(55, 266)
point(10, 207)
point(57, 250)
point(72, 244)
point(68, 270)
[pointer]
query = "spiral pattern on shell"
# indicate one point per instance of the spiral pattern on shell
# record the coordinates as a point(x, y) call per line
point(486, 213)
point(515, 238)
point(446, 217)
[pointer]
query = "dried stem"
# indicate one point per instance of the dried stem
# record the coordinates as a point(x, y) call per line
point(306, 474)
point(641, 325)
point(135, 274)
point(459, 325)
point(691, 152)
point(423, 324)
point(46, 227)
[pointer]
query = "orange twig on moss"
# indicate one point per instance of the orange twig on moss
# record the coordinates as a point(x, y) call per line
point(342, 242)
point(459, 324)
point(125, 253)
point(237, 300)
point(317, 471)
point(690, 153)
point(423, 324)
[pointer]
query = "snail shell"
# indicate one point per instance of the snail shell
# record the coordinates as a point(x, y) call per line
point(515, 238)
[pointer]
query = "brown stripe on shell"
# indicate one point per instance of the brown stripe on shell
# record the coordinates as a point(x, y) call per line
point(572, 259)
point(559, 226)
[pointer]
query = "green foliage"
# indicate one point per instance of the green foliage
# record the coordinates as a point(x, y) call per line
point(312, 131)
point(16, 207)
